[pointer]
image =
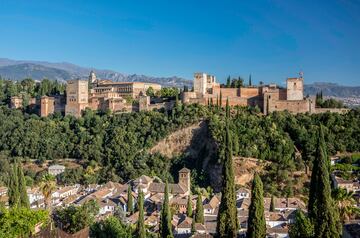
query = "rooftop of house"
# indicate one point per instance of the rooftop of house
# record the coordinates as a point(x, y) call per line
point(160, 188)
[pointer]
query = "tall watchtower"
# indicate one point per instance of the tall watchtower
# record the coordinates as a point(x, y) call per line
point(92, 77)
point(295, 88)
point(184, 178)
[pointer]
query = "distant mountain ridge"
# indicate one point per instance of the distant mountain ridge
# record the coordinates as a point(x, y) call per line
point(38, 70)
point(332, 90)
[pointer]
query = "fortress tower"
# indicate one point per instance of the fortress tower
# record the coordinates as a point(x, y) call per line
point(184, 178)
point(77, 97)
point(295, 88)
point(92, 78)
point(203, 83)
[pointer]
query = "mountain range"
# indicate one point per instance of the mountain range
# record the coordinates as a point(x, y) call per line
point(38, 70)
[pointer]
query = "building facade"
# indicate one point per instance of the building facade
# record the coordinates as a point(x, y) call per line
point(77, 97)
point(268, 98)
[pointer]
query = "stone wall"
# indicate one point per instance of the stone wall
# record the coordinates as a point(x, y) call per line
point(294, 106)
point(250, 92)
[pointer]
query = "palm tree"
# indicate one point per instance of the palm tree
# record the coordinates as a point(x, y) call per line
point(47, 186)
point(346, 204)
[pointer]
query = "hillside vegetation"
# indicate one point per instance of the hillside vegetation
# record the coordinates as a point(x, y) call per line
point(122, 147)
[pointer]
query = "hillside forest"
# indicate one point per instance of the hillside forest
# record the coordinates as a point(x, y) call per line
point(115, 147)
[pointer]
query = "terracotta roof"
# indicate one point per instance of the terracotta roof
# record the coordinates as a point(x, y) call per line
point(65, 189)
point(133, 218)
point(184, 170)
point(186, 223)
point(243, 190)
point(274, 216)
point(101, 193)
point(160, 188)
point(179, 200)
point(144, 179)
point(157, 198)
point(213, 203)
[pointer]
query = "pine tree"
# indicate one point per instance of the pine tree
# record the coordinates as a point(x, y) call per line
point(256, 220)
point(227, 222)
point(199, 218)
point(272, 204)
point(13, 188)
point(24, 199)
point(130, 202)
point(165, 222)
point(140, 229)
point(322, 209)
point(189, 210)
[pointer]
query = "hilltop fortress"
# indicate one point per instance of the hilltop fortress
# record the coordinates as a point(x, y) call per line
point(103, 95)
point(268, 98)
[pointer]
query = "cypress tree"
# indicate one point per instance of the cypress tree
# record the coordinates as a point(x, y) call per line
point(199, 218)
point(140, 229)
point(250, 83)
point(272, 204)
point(227, 108)
point(189, 210)
point(220, 100)
point(256, 220)
point(24, 199)
point(322, 209)
point(193, 225)
point(130, 202)
point(13, 188)
point(227, 222)
point(302, 227)
point(165, 219)
point(228, 82)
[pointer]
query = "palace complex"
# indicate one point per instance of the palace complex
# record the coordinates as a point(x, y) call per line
point(268, 98)
point(105, 95)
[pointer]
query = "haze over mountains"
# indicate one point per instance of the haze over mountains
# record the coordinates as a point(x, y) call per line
point(38, 70)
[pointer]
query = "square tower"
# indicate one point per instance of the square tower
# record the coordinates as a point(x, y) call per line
point(184, 178)
point(77, 95)
point(203, 83)
point(295, 88)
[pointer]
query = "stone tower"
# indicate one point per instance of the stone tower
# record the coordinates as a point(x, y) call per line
point(77, 96)
point(184, 178)
point(295, 88)
point(92, 78)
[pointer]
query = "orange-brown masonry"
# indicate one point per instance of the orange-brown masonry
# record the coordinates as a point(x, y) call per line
point(268, 98)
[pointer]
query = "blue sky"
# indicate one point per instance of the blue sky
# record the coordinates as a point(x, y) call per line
point(271, 40)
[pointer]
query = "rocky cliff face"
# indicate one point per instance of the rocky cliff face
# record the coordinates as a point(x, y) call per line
point(195, 143)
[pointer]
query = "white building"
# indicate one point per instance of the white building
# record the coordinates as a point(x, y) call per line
point(56, 169)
